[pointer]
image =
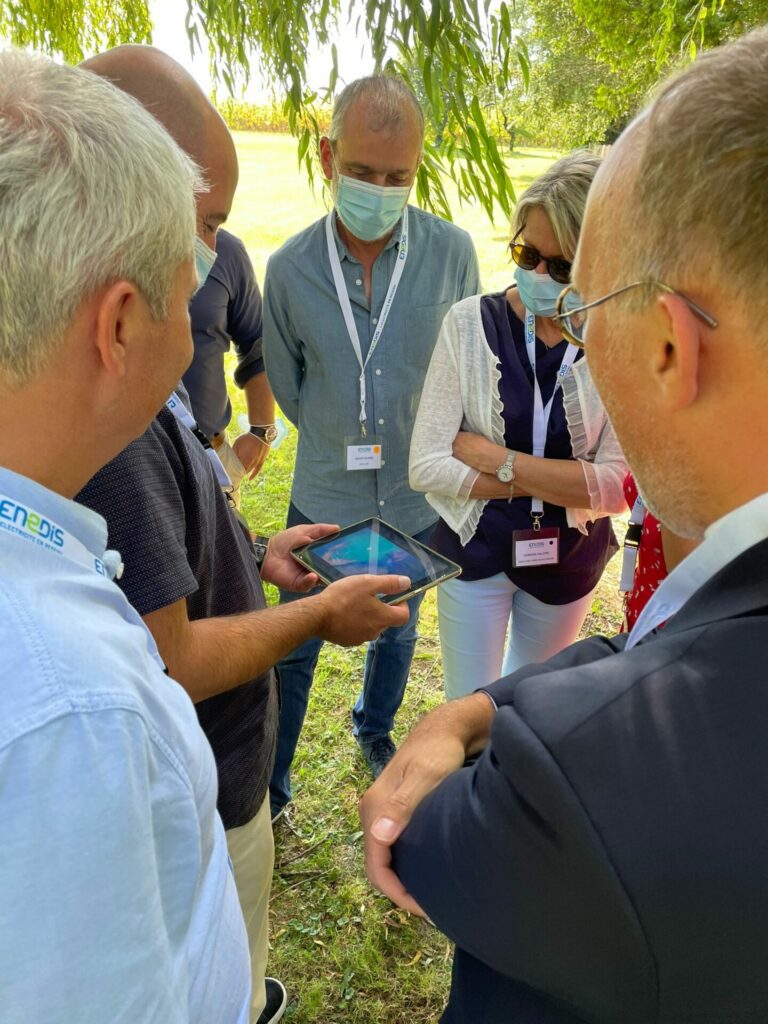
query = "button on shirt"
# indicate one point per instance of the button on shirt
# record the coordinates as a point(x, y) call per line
point(117, 899)
point(314, 373)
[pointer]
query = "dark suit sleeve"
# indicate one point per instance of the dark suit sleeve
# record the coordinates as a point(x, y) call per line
point(504, 859)
point(582, 653)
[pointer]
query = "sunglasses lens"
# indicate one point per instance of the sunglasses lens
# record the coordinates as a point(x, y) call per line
point(525, 257)
point(559, 270)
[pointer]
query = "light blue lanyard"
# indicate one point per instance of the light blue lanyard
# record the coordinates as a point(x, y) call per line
point(346, 305)
point(185, 417)
point(541, 412)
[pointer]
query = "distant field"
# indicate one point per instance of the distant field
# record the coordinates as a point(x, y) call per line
point(274, 201)
point(346, 955)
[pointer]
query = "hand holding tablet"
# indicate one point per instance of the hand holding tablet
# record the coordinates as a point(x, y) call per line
point(375, 547)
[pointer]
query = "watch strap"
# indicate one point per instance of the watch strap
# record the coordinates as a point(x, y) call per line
point(260, 429)
point(506, 471)
point(260, 544)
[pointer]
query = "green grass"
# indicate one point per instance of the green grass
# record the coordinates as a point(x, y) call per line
point(346, 954)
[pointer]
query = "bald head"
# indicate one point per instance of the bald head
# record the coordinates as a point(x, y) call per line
point(682, 200)
point(175, 99)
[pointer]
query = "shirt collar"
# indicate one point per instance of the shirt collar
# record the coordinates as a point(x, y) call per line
point(84, 524)
point(344, 253)
point(724, 540)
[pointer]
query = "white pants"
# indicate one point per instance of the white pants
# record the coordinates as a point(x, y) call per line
point(474, 618)
point(252, 852)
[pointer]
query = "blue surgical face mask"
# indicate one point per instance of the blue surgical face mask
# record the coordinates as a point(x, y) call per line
point(538, 292)
point(205, 257)
point(369, 211)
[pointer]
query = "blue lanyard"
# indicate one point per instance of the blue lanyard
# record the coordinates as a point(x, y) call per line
point(541, 412)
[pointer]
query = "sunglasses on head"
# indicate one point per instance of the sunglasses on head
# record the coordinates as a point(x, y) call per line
point(528, 258)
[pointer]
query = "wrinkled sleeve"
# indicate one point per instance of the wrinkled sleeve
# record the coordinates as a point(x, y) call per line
point(605, 475)
point(504, 859)
point(87, 934)
point(594, 444)
point(432, 466)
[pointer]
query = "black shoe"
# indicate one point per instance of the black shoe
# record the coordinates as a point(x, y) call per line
point(277, 997)
point(378, 753)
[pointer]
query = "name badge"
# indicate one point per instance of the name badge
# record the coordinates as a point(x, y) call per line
point(363, 453)
point(535, 547)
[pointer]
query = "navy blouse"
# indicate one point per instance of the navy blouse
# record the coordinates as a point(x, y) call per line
point(582, 557)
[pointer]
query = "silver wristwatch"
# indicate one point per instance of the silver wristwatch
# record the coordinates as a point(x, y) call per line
point(506, 471)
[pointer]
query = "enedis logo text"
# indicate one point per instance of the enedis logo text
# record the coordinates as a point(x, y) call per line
point(32, 522)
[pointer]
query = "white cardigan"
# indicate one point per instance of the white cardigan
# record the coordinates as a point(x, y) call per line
point(461, 392)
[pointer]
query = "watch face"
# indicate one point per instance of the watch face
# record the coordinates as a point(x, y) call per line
point(504, 473)
point(270, 434)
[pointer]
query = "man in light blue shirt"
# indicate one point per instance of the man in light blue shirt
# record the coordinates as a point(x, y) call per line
point(352, 309)
point(116, 894)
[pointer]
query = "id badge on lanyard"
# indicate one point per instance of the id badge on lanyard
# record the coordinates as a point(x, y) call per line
point(365, 451)
point(539, 545)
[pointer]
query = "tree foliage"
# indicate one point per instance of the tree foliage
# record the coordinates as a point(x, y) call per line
point(574, 70)
point(593, 64)
point(461, 36)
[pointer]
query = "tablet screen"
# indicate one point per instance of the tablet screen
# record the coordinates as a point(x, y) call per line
point(378, 548)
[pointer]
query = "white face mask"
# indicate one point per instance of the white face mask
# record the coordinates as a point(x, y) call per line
point(205, 257)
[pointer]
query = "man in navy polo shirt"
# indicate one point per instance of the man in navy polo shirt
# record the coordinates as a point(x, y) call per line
point(226, 312)
point(191, 570)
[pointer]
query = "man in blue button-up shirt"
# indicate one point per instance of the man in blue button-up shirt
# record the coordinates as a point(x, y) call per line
point(370, 156)
point(117, 898)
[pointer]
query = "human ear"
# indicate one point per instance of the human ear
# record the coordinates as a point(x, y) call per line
point(677, 361)
point(117, 315)
point(326, 157)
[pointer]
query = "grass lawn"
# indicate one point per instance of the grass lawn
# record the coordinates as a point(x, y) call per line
point(344, 953)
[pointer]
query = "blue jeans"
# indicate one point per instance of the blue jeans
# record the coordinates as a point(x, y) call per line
point(387, 664)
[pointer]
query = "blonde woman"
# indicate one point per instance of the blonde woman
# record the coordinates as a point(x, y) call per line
point(516, 454)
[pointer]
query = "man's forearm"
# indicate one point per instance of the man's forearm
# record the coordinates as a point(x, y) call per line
point(221, 653)
point(209, 656)
point(259, 400)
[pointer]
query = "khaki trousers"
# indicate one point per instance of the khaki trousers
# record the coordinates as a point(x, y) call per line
point(252, 852)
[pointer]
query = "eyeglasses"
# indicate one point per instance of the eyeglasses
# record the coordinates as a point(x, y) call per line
point(572, 311)
point(528, 258)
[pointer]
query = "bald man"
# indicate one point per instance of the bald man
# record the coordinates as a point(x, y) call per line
point(191, 568)
point(604, 860)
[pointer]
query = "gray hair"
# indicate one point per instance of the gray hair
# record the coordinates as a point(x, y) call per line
point(699, 189)
point(561, 191)
point(388, 100)
point(92, 190)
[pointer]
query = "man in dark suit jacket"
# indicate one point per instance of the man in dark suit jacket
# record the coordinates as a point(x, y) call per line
point(605, 858)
